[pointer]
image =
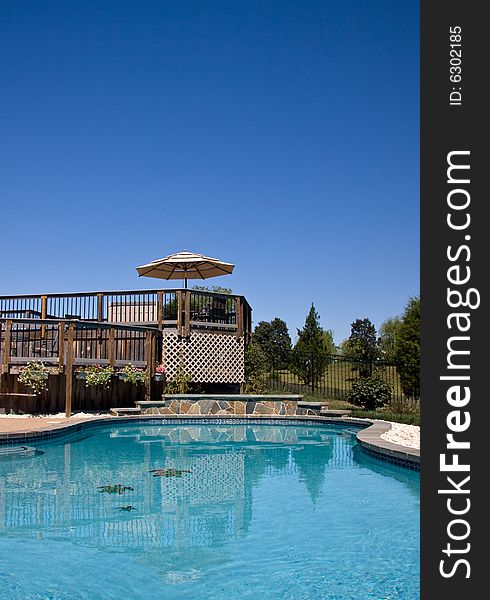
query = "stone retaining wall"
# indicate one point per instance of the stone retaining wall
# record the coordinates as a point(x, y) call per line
point(229, 405)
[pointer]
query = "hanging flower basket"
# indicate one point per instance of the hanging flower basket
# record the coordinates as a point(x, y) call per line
point(35, 375)
point(96, 376)
point(160, 373)
point(131, 374)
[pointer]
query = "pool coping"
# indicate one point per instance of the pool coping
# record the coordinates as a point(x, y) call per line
point(369, 437)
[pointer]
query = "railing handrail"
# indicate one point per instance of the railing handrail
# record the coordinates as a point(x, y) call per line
point(118, 293)
point(83, 324)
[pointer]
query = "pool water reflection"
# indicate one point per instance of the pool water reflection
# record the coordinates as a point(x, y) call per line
point(208, 511)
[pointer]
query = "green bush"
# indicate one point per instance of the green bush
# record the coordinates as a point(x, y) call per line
point(370, 393)
point(256, 368)
point(180, 383)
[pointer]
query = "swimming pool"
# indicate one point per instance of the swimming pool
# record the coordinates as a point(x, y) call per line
point(207, 510)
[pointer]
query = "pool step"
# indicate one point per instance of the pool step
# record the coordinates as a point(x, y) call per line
point(120, 412)
point(335, 413)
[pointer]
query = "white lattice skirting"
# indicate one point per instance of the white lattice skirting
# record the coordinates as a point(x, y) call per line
point(208, 357)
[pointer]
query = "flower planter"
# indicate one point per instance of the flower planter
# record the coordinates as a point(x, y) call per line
point(81, 375)
point(159, 377)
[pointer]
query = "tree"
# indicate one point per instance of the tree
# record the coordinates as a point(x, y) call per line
point(310, 356)
point(363, 345)
point(407, 349)
point(344, 347)
point(387, 338)
point(274, 340)
point(256, 367)
point(328, 341)
point(216, 289)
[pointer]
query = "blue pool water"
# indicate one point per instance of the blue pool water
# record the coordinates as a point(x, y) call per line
point(266, 511)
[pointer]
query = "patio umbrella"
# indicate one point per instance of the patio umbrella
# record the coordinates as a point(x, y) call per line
point(185, 265)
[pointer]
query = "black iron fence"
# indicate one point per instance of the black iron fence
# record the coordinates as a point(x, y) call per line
point(329, 376)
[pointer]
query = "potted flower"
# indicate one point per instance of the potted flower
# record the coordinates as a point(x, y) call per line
point(132, 374)
point(160, 373)
point(35, 375)
point(96, 375)
point(81, 374)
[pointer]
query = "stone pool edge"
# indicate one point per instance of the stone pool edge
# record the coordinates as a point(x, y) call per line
point(369, 438)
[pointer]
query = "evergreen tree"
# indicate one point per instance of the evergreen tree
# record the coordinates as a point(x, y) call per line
point(328, 341)
point(363, 345)
point(310, 356)
point(274, 340)
point(407, 349)
point(387, 338)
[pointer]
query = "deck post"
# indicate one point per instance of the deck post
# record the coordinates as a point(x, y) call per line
point(100, 307)
point(44, 314)
point(179, 313)
point(69, 370)
point(187, 314)
point(239, 316)
point(61, 345)
point(6, 346)
point(111, 350)
point(160, 310)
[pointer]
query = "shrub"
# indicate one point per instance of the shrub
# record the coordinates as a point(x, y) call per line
point(256, 367)
point(370, 393)
point(180, 383)
point(406, 406)
point(35, 375)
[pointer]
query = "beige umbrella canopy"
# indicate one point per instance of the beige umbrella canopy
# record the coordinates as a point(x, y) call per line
point(185, 265)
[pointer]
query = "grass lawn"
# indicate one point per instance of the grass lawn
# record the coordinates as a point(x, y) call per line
point(409, 418)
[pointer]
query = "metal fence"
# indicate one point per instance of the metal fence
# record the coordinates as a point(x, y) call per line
point(329, 376)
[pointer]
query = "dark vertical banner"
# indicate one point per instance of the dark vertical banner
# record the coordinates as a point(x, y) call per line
point(455, 254)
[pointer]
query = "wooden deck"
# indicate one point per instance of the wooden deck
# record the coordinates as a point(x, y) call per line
point(68, 331)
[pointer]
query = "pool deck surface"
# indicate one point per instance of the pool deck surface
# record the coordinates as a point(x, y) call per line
point(12, 425)
point(18, 429)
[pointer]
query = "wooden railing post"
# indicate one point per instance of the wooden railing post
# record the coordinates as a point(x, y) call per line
point(44, 314)
point(69, 370)
point(111, 351)
point(160, 310)
point(61, 345)
point(239, 316)
point(100, 307)
point(6, 346)
point(187, 322)
point(179, 312)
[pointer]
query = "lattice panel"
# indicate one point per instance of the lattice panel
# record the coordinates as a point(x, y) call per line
point(209, 357)
point(172, 353)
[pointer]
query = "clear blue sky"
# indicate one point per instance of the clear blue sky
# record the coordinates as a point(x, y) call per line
point(281, 135)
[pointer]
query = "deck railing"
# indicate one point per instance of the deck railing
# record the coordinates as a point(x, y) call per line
point(182, 310)
point(58, 343)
